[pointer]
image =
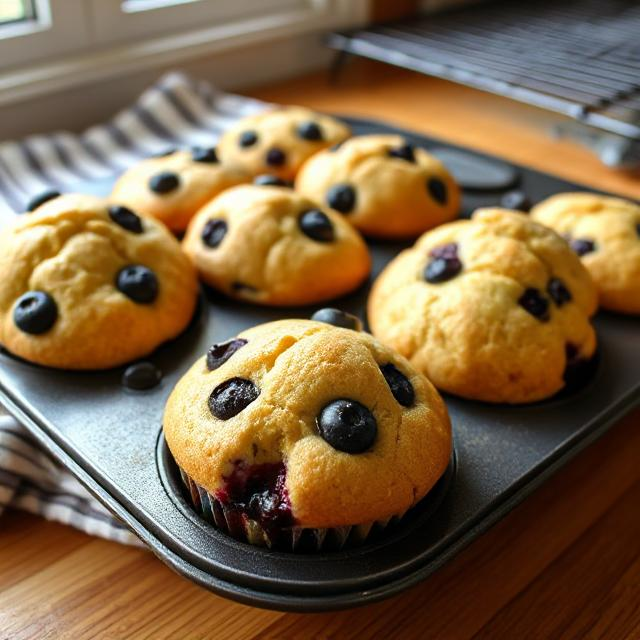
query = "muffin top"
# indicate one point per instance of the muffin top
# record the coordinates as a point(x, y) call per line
point(173, 187)
point(280, 140)
point(383, 185)
point(270, 245)
point(605, 233)
point(89, 285)
point(357, 434)
point(494, 308)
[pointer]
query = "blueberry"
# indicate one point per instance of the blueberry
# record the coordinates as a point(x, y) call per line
point(230, 397)
point(248, 138)
point(337, 318)
point(404, 152)
point(138, 283)
point(535, 303)
point(164, 182)
point(517, 200)
point(220, 352)
point(316, 224)
point(126, 218)
point(204, 154)
point(310, 131)
point(141, 376)
point(399, 384)
point(214, 232)
point(41, 198)
point(35, 312)
point(267, 180)
point(444, 264)
point(342, 198)
point(347, 426)
point(276, 157)
point(438, 190)
point(558, 291)
point(582, 246)
point(259, 492)
point(264, 506)
point(578, 369)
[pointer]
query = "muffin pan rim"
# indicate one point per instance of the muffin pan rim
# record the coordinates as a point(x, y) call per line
point(287, 602)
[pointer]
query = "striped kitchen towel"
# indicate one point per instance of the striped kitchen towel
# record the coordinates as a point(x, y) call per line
point(175, 112)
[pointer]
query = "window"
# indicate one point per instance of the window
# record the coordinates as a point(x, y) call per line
point(33, 30)
point(48, 46)
point(16, 11)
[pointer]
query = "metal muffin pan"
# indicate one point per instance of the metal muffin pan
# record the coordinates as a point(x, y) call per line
point(110, 438)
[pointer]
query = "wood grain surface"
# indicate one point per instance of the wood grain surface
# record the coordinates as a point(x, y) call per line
point(564, 564)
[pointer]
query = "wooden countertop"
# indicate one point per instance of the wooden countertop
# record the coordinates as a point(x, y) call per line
point(564, 564)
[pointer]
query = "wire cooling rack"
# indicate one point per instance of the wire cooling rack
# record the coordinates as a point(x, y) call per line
point(580, 58)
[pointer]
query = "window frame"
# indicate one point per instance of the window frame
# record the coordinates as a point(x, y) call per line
point(114, 23)
point(59, 28)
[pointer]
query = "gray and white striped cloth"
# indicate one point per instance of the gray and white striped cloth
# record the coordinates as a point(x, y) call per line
point(175, 112)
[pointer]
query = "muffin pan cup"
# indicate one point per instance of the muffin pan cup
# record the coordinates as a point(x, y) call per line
point(292, 539)
point(110, 438)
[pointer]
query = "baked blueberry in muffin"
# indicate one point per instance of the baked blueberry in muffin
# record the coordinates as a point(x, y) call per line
point(278, 141)
point(495, 308)
point(90, 285)
point(270, 245)
point(604, 232)
point(174, 186)
point(297, 432)
point(383, 185)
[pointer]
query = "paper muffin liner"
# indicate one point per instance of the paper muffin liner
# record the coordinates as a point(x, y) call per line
point(239, 525)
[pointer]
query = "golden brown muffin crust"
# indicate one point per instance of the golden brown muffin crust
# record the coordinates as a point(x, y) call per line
point(299, 366)
point(264, 257)
point(279, 129)
point(72, 250)
point(392, 194)
point(613, 226)
point(199, 182)
point(469, 334)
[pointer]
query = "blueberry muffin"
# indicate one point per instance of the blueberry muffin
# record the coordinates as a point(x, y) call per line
point(89, 285)
point(300, 434)
point(495, 308)
point(383, 185)
point(280, 140)
point(269, 245)
point(173, 187)
point(605, 233)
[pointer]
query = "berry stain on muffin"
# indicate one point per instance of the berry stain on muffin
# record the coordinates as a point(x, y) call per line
point(257, 492)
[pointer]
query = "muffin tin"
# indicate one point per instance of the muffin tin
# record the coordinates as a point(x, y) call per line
point(110, 438)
